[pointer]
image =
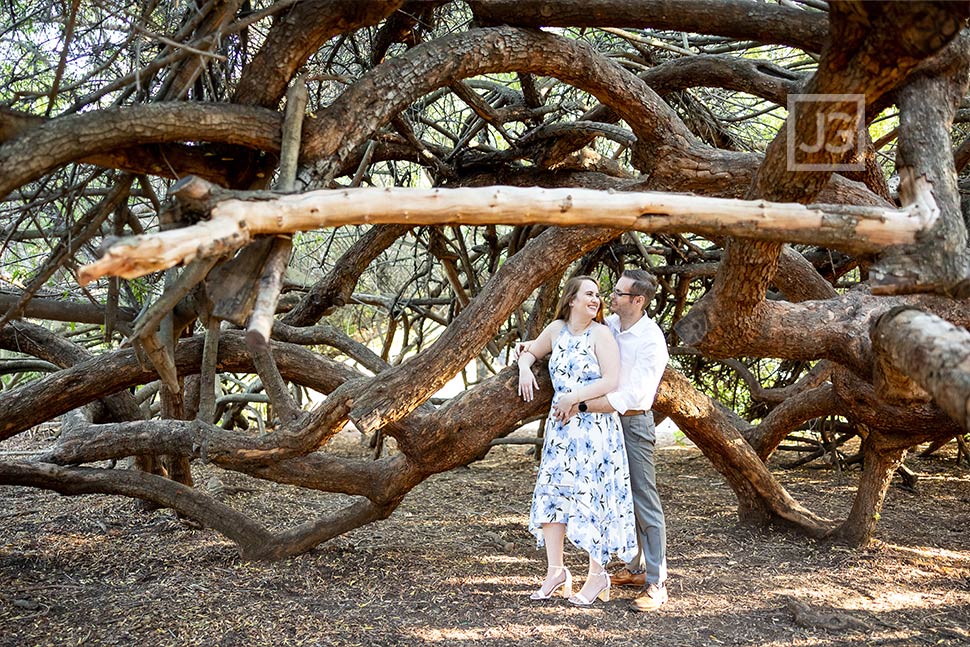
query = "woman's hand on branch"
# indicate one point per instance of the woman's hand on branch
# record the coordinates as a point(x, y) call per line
point(527, 383)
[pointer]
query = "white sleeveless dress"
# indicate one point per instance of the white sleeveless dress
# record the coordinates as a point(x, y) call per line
point(584, 478)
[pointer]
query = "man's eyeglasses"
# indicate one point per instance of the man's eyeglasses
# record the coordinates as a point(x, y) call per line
point(617, 293)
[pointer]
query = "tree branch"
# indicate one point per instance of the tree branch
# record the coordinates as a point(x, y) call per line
point(735, 19)
point(73, 137)
point(932, 352)
point(234, 222)
point(247, 534)
point(812, 403)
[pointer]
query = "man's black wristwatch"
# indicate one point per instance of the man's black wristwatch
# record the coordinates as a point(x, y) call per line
point(583, 407)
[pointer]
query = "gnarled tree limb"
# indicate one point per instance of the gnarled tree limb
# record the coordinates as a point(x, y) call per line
point(932, 352)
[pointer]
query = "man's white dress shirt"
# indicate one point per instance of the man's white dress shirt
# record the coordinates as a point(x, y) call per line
point(643, 356)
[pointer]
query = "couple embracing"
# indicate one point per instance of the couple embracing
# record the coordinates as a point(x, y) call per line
point(596, 482)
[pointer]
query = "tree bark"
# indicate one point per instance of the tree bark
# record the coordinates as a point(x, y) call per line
point(879, 465)
point(741, 20)
point(236, 219)
point(66, 139)
point(295, 36)
point(939, 261)
point(857, 61)
point(761, 498)
point(813, 403)
point(932, 352)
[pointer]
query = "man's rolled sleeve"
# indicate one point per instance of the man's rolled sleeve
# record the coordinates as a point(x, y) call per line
point(620, 401)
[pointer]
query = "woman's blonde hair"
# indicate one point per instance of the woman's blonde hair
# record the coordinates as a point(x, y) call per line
point(569, 292)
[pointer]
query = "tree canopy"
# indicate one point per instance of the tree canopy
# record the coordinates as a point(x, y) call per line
point(215, 208)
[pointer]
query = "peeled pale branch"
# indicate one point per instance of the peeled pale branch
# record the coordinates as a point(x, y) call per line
point(236, 217)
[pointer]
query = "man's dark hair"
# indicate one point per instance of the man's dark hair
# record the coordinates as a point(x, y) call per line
point(644, 283)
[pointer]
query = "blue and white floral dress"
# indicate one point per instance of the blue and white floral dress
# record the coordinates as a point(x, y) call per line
point(584, 478)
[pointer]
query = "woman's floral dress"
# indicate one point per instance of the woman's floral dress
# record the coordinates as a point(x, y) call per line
point(584, 479)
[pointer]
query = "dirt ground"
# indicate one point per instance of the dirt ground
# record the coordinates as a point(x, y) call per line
point(454, 566)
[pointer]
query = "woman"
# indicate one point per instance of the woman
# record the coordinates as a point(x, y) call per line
point(583, 488)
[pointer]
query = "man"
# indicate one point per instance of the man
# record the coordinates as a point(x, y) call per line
point(643, 356)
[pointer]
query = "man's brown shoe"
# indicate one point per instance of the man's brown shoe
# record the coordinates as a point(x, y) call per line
point(624, 577)
point(652, 598)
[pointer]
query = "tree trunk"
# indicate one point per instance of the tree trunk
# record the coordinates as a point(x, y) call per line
point(879, 465)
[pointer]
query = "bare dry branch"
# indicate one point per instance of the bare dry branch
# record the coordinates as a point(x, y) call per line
point(234, 222)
